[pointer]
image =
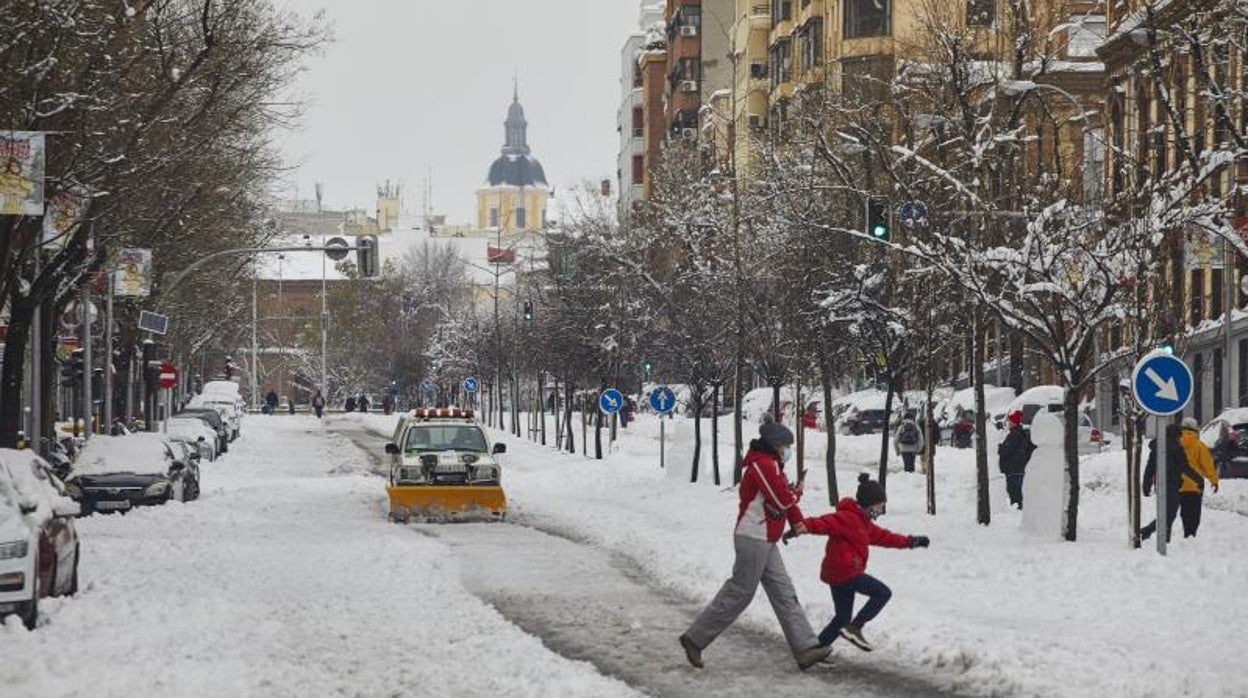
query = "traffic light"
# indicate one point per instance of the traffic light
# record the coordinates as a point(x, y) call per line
point(366, 255)
point(645, 367)
point(878, 220)
point(528, 311)
point(72, 370)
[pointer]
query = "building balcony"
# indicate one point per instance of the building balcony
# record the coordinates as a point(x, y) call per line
point(813, 8)
point(782, 30)
point(759, 16)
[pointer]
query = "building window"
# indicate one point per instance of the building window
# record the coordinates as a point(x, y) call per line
point(521, 218)
point(639, 122)
point(979, 13)
point(493, 217)
point(781, 62)
point(639, 169)
point(865, 18)
point(1197, 297)
point(812, 44)
point(1094, 165)
point(781, 11)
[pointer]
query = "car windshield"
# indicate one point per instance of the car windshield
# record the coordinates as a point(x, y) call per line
point(445, 437)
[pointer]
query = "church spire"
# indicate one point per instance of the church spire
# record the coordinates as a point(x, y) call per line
point(516, 141)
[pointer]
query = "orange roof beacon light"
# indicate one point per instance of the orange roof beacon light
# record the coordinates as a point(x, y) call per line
point(442, 413)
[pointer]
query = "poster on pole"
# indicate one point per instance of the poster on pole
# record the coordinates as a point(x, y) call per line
point(21, 173)
point(134, 272)
point(64, 209)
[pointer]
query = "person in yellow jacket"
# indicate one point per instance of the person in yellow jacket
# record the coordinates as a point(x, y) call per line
point(1199, 468)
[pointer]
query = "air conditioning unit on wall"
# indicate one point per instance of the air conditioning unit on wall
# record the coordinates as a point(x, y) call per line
point(689, 134)
point(688, 30)
point(688, 85)
point(755, 120)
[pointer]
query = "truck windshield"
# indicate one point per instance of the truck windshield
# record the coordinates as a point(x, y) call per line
point(445, 437)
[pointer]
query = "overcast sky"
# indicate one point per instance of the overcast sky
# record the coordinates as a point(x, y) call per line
point(410, 85)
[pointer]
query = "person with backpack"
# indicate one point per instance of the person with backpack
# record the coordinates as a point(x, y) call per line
point(908, 442)
point(318, 404)
point(1198, 467)
point(766, 502)
point(1013, 454)
point(851, 530)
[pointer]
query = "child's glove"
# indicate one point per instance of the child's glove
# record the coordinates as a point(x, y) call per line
point(919, 542)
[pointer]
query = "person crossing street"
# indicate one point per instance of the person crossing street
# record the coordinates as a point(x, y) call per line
point(767, 501)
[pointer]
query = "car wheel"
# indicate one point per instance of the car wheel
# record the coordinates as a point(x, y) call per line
point(28, 611)
point(73, 580)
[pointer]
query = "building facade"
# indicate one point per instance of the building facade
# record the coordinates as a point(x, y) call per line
point(513, 199)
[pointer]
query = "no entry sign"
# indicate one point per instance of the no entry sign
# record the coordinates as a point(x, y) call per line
point(168, 375)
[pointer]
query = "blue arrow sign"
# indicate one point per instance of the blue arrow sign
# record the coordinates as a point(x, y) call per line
point(610, 401)
point(470, 384)
point(662, 399)
point(1162, 383)
point(913, 212)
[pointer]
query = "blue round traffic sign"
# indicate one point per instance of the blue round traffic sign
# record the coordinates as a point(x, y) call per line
point(1162, 383)
point(662, 399)
point(470, 384)
point(610, 401)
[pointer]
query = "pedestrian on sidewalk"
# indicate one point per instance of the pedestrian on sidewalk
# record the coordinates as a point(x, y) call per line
point(318, 404)
point(767, 500)
point(1198, 468)
point(908, 442)
point(270, 401)
point(851, 531)
point(1176, 460)
point(1013, 454)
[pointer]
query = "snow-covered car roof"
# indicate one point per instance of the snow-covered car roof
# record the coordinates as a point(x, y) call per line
point(23, 483)
point(142, 452)
point(221, 388)
point(1039, 395)
point(1233, 416)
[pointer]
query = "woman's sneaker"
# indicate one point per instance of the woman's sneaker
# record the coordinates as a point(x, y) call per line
point(853, 633)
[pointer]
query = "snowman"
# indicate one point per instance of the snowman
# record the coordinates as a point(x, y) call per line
point(1044, 485)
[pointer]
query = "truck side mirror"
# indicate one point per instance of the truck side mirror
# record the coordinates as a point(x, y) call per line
point(392, 449)
point(499, 448)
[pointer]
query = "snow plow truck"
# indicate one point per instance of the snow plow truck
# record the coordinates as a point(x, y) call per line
point(442, 468)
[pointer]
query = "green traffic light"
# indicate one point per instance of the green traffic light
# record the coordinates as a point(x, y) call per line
point(879, 231)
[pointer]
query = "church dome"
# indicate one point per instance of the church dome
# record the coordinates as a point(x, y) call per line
point(515, 166)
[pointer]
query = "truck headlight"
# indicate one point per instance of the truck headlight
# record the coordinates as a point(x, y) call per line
point(17, 548)
point(156, 490)
point(485, 472)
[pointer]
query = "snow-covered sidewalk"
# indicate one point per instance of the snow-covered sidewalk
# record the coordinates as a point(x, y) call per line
point(989, 610)
point(283, 580)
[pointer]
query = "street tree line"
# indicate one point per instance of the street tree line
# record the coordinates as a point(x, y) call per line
point(737, 273)
point(163, 112)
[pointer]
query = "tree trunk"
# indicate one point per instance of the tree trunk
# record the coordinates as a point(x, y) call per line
point(888, 411)
point(776, 412)
point(715, 433)
point(1016, 361)
point(738, 438)
point(541, 403)
point(1131, 442)
point(697, 433)
point(1070, 517)
point(569, 393)
point(598, 429)
point(799, 431)
point(11, 413)
point(829, 457)
point(983, 508)
point(929, 450)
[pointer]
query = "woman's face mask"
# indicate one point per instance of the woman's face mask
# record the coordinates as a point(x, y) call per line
point(786, 454)
point(875, 511)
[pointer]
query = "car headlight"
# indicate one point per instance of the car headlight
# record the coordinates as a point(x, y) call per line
point(17, 548)
point(156, 490)
point(485, 472)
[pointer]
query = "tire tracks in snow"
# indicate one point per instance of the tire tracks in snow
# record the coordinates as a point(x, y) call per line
point(600, 607)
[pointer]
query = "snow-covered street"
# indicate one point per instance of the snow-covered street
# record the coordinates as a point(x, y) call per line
point(283, 580)
point(286, 579)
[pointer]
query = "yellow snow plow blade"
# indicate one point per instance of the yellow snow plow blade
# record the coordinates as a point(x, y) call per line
point(446, 502)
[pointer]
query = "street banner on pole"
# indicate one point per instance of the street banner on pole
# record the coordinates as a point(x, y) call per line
point(21, 173)
point(134, 272)
point(64, 210)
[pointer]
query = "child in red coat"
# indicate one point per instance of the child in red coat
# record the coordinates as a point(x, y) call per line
point(850, 531)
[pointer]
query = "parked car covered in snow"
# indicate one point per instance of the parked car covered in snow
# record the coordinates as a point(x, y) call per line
point(1227, 436)
point(1049, 398)
point(195, 434)
point(38, 541)
point(212, 417)
point(229, 409)
point(118, 473)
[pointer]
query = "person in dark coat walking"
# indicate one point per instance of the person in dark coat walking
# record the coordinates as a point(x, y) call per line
point(1176, 460)
point(362, 403)
point(318, 404)
point(270, 400)
point(349, 406)
point(851, 530)
point(1012, 456)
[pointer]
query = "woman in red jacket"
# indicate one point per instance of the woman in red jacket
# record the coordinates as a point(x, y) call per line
point(850, 531)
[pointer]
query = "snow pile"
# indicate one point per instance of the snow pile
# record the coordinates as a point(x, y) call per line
point(1044, 484)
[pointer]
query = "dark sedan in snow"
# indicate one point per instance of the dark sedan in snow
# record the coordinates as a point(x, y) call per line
point(118, 473)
